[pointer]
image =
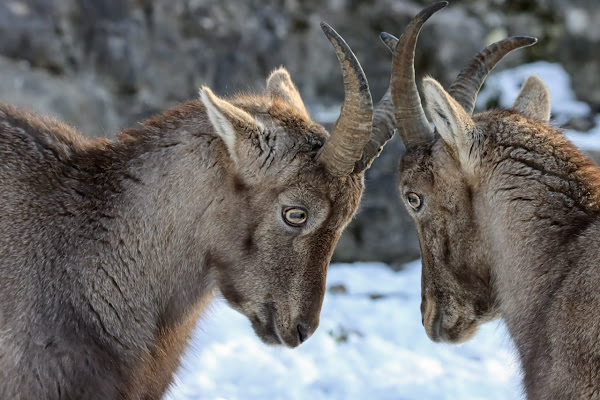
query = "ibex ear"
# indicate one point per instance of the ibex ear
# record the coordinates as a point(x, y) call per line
point(451, 121)
point(280, 85)
point(534, 99)
point(228, 120)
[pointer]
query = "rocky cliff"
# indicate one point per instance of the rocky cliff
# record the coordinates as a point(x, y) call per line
point(103, 65)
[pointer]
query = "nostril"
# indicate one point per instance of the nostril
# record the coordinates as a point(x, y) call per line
point(302, 333)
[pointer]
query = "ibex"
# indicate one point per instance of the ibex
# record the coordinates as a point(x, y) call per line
point(508, 217)
point(110, 251)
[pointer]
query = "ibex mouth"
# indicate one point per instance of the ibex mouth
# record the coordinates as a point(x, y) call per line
point(437, 332)
point(272, 329)
point(265, 325)
point(460, 332)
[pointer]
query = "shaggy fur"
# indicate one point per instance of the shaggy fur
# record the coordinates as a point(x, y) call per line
point(110, 251)
point(509, 223)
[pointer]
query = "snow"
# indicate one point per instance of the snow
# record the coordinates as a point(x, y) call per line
point(589, 140)
point(371, 344)
point(364, 348)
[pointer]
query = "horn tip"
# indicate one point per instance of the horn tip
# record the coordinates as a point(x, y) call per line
point(326, 27)
point(331, 34)
point(529, 40)
point(429, 11)
point(385, 36)
point(439, 5)
point(389, 40)
point(520, 41)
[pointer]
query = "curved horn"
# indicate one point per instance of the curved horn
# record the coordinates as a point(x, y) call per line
point(469, 80)
point(384, 123)
point(411, 122)
point(352, 129)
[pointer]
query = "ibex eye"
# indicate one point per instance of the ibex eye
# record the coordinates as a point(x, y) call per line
point(295, 216)
point(414, 200)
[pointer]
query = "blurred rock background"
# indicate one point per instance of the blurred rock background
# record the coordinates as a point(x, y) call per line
point(103, 65)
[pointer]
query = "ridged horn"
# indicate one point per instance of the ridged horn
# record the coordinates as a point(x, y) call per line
point(384, 122)
point(352, 129)
point(411, 122)
point(469, 80)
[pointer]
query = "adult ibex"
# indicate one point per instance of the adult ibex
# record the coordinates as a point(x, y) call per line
point(110, 251)
point(508, 217)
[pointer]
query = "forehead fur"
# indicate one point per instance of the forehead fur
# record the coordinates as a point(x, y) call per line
point(417, 163)
point(276, 112)
point(280, 110)
point(299, 140)
point(292, 137)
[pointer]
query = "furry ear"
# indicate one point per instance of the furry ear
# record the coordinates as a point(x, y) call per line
point(228, 120)
point(280, 85)
point(534, 99)
point(452, 122)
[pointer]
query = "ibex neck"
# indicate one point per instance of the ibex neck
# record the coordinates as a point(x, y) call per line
point(540, 205)
point(160, 192)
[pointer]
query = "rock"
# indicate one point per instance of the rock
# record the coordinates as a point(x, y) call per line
point(337, 289)
point(382, 229)
point(81, 102)
point(104, 65)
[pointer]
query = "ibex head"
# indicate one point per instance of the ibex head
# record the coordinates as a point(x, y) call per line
point(296, 189)
point(440, 177)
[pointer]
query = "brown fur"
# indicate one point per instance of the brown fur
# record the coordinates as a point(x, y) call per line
point(110, 251)
point(509, 226)
point(155, 371)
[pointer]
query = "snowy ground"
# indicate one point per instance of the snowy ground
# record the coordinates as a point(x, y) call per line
point(365, 348)
point(371, 344)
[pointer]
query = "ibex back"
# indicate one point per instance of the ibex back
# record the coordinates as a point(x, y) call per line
point(110, 251)
point(508, 217)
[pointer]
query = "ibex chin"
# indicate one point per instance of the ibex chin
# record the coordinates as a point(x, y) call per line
point(110, 251)
point(508, 217)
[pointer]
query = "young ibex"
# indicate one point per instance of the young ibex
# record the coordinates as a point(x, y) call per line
point(508, 216)
point(110, 251)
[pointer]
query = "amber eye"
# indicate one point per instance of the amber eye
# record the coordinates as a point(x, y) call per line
point(295, 216)
point(414, 200)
